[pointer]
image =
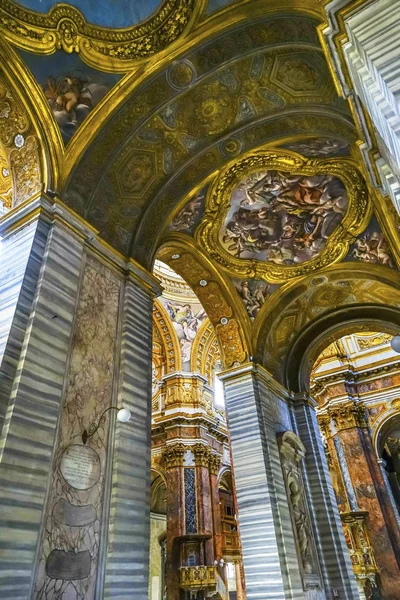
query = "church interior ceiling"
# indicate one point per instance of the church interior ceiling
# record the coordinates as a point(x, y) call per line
point(220, 141)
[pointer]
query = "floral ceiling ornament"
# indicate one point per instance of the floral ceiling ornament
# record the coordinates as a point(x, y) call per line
point(276, 216)
point(64, 27)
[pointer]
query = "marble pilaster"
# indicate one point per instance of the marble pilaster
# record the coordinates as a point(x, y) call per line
point(334, 558)
point(254, 409)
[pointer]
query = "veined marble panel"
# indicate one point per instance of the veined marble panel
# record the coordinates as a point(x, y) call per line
point(69, 553)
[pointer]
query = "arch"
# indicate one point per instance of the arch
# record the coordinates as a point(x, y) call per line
point(28, 134)
point(162, 323)
point(389, 421)
point(205, 351)
point(216, 294)
point(305, 317)
point(169, 169)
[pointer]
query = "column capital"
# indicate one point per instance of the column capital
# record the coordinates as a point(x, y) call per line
point(174, 454)
point(347, 416)
point(214, 463)
point(201, 454)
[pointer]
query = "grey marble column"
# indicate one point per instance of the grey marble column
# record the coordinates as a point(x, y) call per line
point(39, 290)
point(333, 554)
point(256, 412)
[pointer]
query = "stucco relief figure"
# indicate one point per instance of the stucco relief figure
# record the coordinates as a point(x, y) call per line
point(283, 218)
point(71, 98)
point(300, 521)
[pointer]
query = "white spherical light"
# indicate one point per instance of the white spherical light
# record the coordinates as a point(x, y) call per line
point(124, 415)
point(395, 343)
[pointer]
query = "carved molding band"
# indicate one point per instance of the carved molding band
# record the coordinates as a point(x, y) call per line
point(64, 27)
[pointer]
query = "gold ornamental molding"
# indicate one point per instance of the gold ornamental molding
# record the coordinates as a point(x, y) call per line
point(218, 204)
point(64, 27)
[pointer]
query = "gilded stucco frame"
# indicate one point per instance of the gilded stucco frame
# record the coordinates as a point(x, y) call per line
point(355, 220)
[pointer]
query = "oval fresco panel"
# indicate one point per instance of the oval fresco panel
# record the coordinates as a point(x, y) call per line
point(283, 218)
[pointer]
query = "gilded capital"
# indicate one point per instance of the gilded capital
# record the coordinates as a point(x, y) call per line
point(173, 455)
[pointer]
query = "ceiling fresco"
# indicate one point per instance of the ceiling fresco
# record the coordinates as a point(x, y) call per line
point(282, 217)
point(204, 109)
point(183, 309)
point(71, 88)
point(372, 247)
point(107, 13)
point(319, 147)
point(275, 216)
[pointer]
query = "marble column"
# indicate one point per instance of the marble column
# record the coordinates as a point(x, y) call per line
point(40, 275)
point(334, 558)
point(75, 339)
point(173, 461)
point(238, 577)
point(255, 406)
point(215, 462)
point(357, 457)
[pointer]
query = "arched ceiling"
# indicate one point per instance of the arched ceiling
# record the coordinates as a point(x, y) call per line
point(305, 317)
point(185, 96)
point(264, 81)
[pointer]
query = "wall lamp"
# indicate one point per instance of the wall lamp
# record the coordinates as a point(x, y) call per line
point(219, 561)
point(395, 343)
point(123, 416)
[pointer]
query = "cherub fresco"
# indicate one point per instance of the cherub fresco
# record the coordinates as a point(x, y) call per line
point(71, 97)
point(283, 218)
point(253, 294)
point(373, 248)
point(189, 216)
point(186, 320)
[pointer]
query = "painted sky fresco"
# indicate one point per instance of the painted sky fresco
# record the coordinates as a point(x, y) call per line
point(107, 13)
point(281, 217)
point(186, 319)
point(71, 87)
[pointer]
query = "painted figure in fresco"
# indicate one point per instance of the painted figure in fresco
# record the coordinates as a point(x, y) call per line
point(253, 296)
point(188, 215)
point(373, 248)
point(283, 218)
point(186, 324)
point(71, 97)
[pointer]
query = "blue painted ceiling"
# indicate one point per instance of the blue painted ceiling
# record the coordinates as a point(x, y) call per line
point(107, 13)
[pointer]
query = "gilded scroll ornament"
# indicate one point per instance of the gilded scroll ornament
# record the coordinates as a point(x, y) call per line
point(20, 151)
point(231, 343)
point(276, 216)
point(64, 27)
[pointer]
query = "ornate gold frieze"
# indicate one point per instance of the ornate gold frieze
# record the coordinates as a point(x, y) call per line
point(218, 204)
point(198, 578)
point(173, 455)
point(64, 27)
